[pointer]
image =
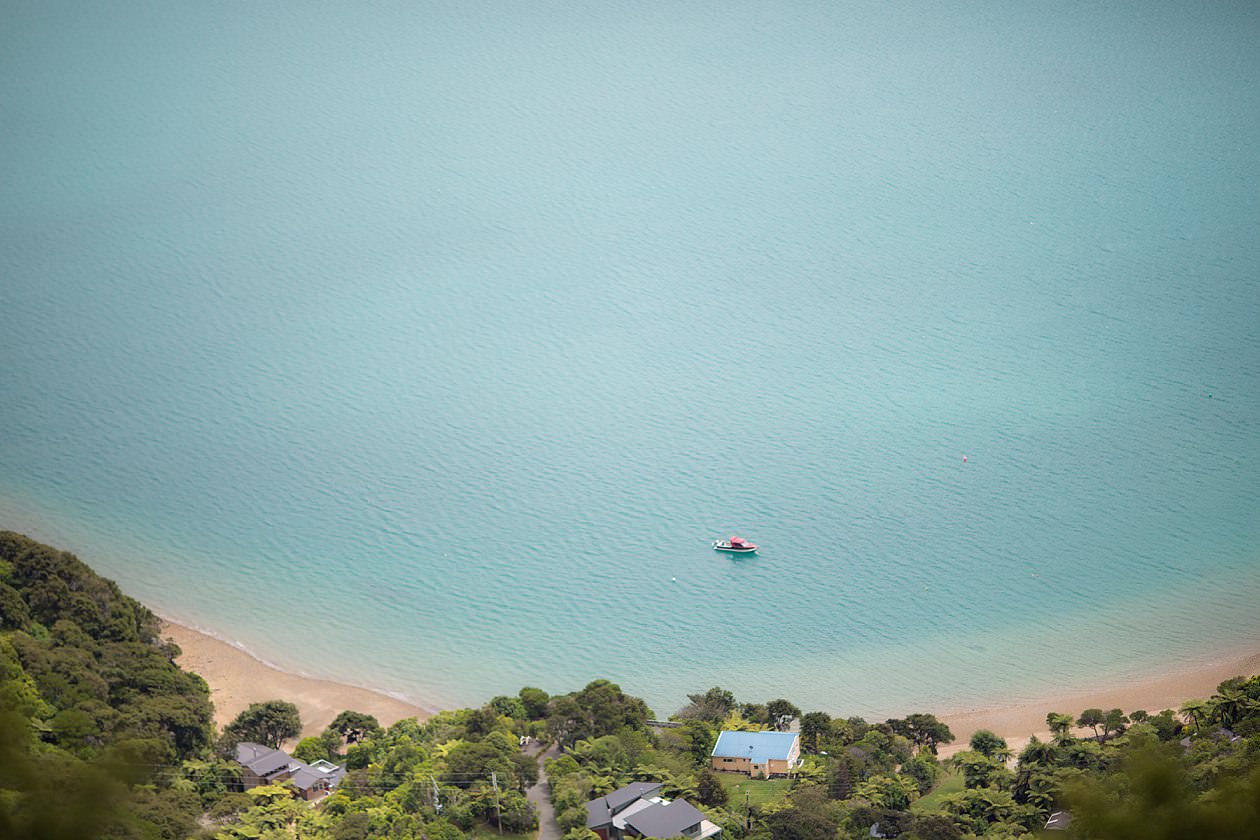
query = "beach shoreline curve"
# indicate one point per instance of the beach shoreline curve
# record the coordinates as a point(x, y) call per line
point(237, 678)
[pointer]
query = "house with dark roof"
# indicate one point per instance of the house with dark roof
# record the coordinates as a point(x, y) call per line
point(637, 810)
point(758, 754)
point(262, 765)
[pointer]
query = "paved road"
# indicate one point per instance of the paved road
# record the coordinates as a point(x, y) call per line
point(539, 795)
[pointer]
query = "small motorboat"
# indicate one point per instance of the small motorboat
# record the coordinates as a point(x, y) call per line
point(736, 545)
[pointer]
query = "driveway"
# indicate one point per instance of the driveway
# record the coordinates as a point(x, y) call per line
point(540, 794)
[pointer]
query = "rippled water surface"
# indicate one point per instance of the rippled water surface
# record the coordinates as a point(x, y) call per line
point(426, 345)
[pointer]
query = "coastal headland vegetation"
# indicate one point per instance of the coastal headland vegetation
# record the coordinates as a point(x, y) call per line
point(103, 735)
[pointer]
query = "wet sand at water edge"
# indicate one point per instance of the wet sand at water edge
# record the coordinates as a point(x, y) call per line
point(237, 679)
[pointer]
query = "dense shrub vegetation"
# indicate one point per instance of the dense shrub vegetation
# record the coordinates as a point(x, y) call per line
point(103, 736)
point(93, 707)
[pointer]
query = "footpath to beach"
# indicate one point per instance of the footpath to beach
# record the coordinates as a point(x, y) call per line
point(237, 679)
point(540, 794)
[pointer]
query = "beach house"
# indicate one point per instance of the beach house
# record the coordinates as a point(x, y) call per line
point(262, 765)
point(756, 754)
point(638, 810)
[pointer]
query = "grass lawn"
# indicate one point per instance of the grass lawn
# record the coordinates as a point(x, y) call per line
point(949, 783)
point(760, 791)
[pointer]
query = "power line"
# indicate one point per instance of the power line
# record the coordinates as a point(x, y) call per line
point(456, 780)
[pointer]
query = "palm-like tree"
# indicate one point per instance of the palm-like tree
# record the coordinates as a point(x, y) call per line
point(1194, 711)
point(604, 785)
point(678, 788)
point(479, 793)
point(1039, 753)
point(811, 771)
point(1034, 786)
point(1226, 706)
point(1040, 794)
point(1060, 726)
point(996, 804)
point(978, 808)
point(737, 722)
point(583, 751)
point(649, 773)
point(888, 791)
point(184, 785)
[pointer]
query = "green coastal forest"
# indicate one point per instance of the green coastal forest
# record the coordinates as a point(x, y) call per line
point(102, 735)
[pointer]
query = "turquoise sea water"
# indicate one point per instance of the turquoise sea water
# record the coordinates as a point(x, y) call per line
point(426, 346)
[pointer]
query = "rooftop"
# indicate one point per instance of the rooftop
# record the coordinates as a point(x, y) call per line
point(665, 820)
point(759, 746)
point(266, 762)
point(306, 776)
point(601, 811)
point(261, 760)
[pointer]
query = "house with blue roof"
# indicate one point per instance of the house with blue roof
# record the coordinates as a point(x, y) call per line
point(757, 754)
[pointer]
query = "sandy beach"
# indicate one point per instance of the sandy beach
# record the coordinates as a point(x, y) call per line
point(237, 679)
point(1018, 723)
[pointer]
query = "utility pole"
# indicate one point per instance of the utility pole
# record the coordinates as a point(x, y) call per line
point(498, 817)
point(437, 796)
point(747, 818)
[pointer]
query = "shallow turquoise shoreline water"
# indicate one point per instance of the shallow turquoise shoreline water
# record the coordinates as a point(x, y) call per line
point(426, 348)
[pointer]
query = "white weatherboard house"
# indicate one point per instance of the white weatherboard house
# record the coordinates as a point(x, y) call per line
point(757, 753)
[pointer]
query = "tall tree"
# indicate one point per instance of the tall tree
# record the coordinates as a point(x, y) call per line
point(782, 713)
point(315, 747)
point(509, 707)
point(986, 743)
point(813, 726)
point(709, 789)
point(978, 770)
point(756, 713)
point(1194, 711)
point(1060, 726)
point(266, 723)
point(535, 702)
point(923, 730)
point(1115, 722)
point(599, 709)
point(354, 726)
point(696, 737)
point(811, 816)
point(1093, 718)
point(885, 791)
point(566, 720)
point(714, 705)
point(839, 778)
point(1228, 704)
